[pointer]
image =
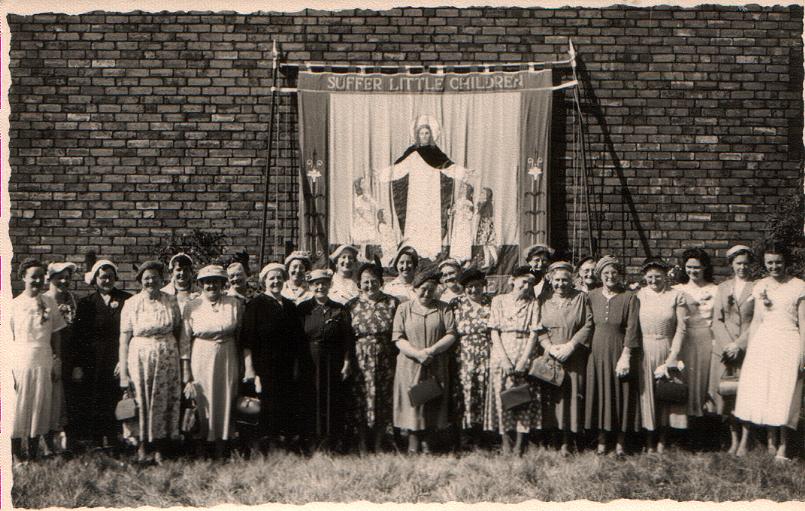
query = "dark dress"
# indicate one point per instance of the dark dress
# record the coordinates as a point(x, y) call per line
point(611, 403)
point(329, 339)
point(569, 321)
point(272, 330)
point(96, 335)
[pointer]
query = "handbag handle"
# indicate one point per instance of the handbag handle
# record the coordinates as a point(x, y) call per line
point(420, 373)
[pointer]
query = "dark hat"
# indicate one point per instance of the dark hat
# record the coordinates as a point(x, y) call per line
point(471, 275)
point(150, 265)
point(425, 276)
point(522, 271)
point(654, 263)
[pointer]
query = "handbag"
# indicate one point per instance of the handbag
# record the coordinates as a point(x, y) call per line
point(248, 405)
point(247, 410)
point(126, 408)
point(547, 370)
point(671, 390)
point(425, 390)
point(516, 396)
point(190, 421)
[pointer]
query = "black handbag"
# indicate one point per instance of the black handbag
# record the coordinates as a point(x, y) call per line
point(126, 408)
point(248, 406)
point(516, 396)
point(671, 390)
point(547, 370)
point(426, 389)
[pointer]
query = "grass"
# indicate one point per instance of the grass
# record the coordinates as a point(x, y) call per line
point(99, 480)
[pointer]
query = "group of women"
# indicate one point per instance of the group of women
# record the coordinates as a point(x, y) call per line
point(339, 355)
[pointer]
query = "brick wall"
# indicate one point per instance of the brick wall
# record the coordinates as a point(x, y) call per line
point(127, 128)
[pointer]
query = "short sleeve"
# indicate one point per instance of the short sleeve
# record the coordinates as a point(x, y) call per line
point(449, 321)
point(398, 328)
point(494, 314)
point(680, 300)
point(127, 314)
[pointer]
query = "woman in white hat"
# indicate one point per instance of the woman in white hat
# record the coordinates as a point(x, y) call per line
point(35, 357)
point(211, 324)
point(297, 288)
point(344, 285)
point(405, 262)
point(732, 314)
point(331, 348)
point(59, 277)
point(150, 324)
point(97, 329)
point(270, 338)
point(180, 267)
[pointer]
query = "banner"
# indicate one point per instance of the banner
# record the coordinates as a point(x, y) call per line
point(454, 165)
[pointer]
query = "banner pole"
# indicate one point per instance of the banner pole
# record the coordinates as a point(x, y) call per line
point(263, 225)
point(584, 183)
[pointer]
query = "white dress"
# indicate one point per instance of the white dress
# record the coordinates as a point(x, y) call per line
point(462, 235)
point(33, 320)
point(698, 346)
point(770, 390)
point(214, 361)
point(400, 290)
point(342, 290)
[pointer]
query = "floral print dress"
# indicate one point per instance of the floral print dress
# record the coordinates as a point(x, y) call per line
point(153, 362)
point(472, 320)
point(372, 323)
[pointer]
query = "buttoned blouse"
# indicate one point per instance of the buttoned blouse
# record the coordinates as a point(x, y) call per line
point(33, 320)
point(218, 323)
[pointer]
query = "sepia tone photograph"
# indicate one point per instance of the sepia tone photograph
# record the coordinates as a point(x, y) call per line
point(406, 253)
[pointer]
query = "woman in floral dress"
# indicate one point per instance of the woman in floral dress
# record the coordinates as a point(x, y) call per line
point(372, 316)
point(150, 323)
point(472, 310)
point(513, 326)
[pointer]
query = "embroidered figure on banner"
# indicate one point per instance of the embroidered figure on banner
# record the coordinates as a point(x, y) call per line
point(422, 183)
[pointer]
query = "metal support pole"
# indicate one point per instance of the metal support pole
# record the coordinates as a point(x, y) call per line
point(264, 224)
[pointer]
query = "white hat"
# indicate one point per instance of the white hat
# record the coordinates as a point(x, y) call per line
point(54, 268)
point(449, 262)
point(317, 274)
point(212, 271)
point(272, 267)
point(338, 251)
point(180, 255)
point(89, 276)
point(738, 248)
point(302, 255)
